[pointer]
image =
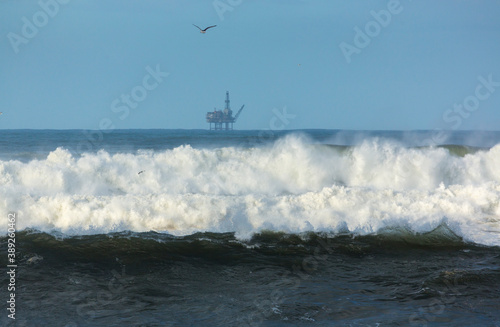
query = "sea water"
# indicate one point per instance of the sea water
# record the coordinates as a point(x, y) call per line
point(252, 228)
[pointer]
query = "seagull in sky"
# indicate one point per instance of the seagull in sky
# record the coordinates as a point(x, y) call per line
point(205, 30)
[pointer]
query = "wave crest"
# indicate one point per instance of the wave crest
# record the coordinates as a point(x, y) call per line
point(290, 186)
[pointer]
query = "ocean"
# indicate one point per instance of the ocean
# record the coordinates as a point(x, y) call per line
point(249, 228)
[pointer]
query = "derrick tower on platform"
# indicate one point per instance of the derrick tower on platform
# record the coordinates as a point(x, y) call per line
point(223, 119)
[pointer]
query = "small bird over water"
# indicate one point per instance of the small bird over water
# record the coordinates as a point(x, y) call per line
point(204, 31)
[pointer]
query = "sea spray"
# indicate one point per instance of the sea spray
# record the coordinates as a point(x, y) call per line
point(290, 185)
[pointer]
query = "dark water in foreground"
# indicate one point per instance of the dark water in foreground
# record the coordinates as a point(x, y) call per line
point(302, 228)
point(273, 279)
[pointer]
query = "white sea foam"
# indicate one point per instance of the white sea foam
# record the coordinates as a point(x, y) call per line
point(289, 186)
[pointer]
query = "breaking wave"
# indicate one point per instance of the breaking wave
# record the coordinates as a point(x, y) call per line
point(289, 186)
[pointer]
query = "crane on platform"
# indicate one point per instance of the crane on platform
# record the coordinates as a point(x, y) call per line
point(238, 113)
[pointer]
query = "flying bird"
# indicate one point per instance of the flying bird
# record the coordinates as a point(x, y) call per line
point(140, 172)
point(205, 30)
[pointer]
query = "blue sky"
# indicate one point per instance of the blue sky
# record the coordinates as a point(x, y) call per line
point(370, 65)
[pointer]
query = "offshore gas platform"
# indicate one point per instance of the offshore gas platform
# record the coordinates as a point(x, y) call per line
point(223, 119)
